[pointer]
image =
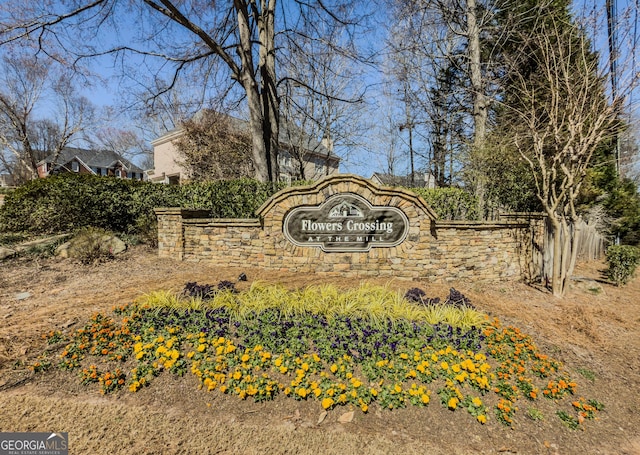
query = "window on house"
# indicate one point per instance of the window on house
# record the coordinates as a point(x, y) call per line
point(284, 159)
point(319, 165)
point(75, 167)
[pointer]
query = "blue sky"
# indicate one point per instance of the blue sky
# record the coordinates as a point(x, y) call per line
point(364, 162)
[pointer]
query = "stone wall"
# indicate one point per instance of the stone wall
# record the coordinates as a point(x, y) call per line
point(433, 249)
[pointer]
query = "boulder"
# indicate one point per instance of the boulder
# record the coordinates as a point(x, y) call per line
point(85, 245)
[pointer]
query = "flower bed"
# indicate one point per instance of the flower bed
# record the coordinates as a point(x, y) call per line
point(361, 348)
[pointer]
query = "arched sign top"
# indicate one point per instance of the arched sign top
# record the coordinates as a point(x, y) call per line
point(345, 222)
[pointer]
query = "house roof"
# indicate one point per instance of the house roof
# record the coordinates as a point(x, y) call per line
point(92, 158)
point(289, 135)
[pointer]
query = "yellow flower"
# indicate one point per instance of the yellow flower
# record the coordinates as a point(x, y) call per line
point(190, 354)
point(237, 375)
point(482, 418)
point(278, 362)
point(305, 366)
point(223, 388)
point(444, 365)
point(477, 402)
point(334, 368)
point(461, 377)
point(425, 398)
point(404, 356)
point(453, 403)
point(374, 392)
point(327, 403)
point(245, 358)
point(202, 347)
point(364, 407)
point(302, 392)
point(283, 369)
point(397, 388)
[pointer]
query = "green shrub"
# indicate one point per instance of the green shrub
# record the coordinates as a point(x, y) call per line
point(450, 203)
point(622, 260)
point(68, 202)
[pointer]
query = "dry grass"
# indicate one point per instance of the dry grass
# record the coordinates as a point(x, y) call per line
point(595, 332)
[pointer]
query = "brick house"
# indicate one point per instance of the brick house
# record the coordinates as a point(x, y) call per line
point(95, 162)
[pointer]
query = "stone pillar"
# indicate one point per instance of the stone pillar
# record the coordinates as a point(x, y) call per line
point(171, 231)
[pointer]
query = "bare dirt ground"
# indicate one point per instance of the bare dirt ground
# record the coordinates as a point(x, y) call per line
point(595, 329)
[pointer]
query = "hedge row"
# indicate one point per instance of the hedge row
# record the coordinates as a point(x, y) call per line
point(65, 203)
point(450, 203)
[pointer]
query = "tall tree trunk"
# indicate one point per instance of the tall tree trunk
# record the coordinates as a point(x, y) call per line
point(270, 101)
point(479, 101)
point(254, 100)
point(475, 72)
point(556, 232)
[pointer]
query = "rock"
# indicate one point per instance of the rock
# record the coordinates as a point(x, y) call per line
point(63, 250)
point(81, 246)
point(23, 296)
point(117, 245)
point(6, 253)
point(346, 417)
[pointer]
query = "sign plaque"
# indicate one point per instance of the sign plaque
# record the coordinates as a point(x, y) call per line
point(346, 223)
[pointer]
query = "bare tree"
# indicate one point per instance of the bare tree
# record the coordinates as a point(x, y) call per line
point(28, 85)
point(322, 97)
point(564, 117)
point(126, 142)
point(214, 146)
point(173, 40)
point(437, 47)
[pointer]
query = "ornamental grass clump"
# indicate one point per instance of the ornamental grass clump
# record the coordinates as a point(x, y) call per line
point(268, 342)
